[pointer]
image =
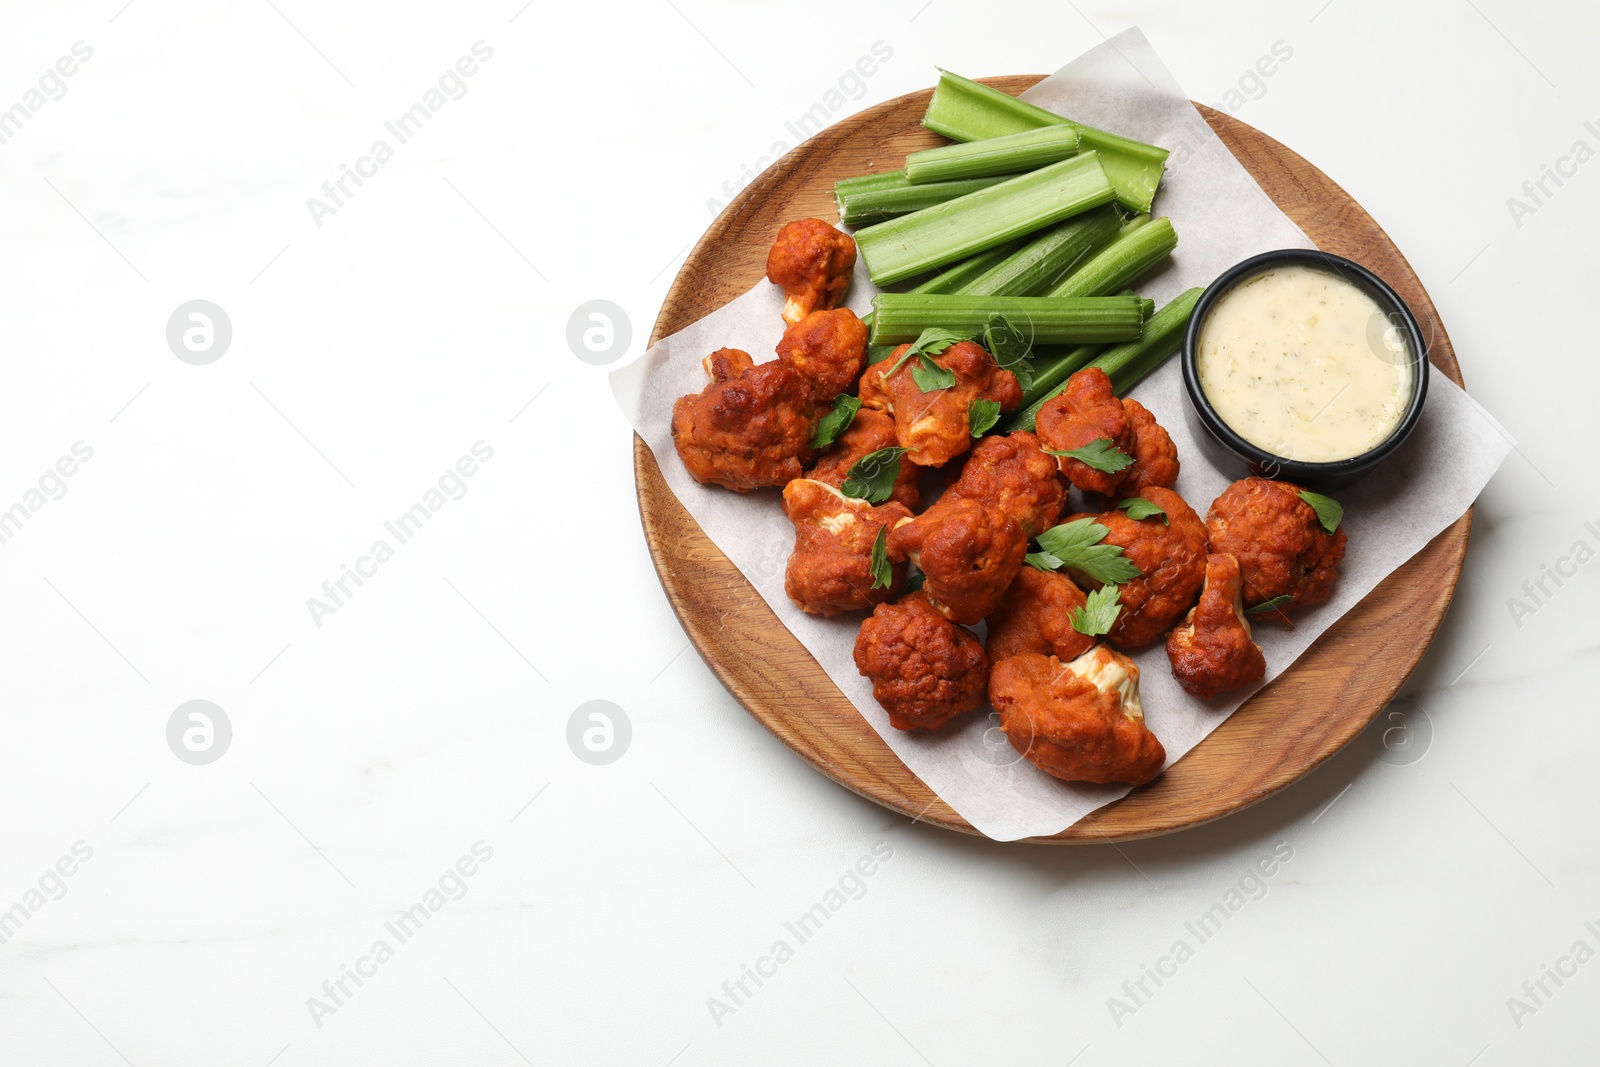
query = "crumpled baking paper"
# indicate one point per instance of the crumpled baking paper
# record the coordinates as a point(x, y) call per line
point(1222, 216)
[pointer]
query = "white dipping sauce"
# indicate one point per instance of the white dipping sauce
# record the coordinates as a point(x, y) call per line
point(1302, 363)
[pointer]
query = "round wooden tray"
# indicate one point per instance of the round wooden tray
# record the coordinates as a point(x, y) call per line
point(1306, 715)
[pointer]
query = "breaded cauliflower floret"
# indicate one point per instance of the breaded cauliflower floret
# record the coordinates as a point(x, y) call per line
point(933, 426)
point(971, 542)
point(1036, 616)
point(1080, 721)
point(812, 262)
point(1280, 544)
point(1171, 554)
point(831, 568)
point(750, 428)
point(827, 349)
point(925, 670)
point(870, 431)
point(1213, 651)
point(1084, 412)
point(969, 552)
point(1011, 474)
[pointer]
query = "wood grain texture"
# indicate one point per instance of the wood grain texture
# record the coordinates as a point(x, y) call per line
point(1306, 715)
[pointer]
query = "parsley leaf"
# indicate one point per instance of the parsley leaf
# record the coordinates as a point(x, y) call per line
point(914, 582)
point(982, 415)
point(1043, 561)
point(1270, 605)
point(836, 421)
point(1138, 507)
point(1100, 454)
point(1009, 348)
point(872, 478)
point(1077, 545)
point(930, 377)
point(882, 572)
point(1329, 511)
point(1099, 612)
point(931, 342)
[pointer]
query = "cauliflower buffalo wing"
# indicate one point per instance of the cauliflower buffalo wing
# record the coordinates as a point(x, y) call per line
point(925, 670)
point(827, 349)
point(1036, 616)
point(969, 553)
point(1012, 474)
point(1170, 551)
point(831, 568)
point(933, 427)
point(1086, 411)
point(751, 427)
point(970, 543)
point(1080, 721)
point(1213, 652)
point(870, 431)
point(1281, 546)
point(812, 262)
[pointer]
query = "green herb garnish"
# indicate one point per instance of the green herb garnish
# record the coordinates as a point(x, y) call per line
point(929, 342)
point(929, 376)
point(882, 572)
point(1043, 561)
point(1270, 605)
point(1100, 454)
point(1329, 511)
point(836, 421)
point(1077, 546)
point(1138, 507)
point(1099, 612)
point(873, 476)
point(982, 415)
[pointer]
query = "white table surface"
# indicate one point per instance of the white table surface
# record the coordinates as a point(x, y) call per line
point(1435, 866)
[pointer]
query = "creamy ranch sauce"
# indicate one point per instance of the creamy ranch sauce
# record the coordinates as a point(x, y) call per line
point(1302, 363)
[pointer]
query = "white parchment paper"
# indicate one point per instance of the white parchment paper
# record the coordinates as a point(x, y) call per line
point(1222, 216)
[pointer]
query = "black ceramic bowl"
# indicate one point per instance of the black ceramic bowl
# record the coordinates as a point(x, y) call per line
point(1235, 456)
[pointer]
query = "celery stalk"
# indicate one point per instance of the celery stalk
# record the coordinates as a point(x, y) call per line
point(883, 179)
point(956, 229)
point(1048, 257)
point(899, 317)
point(960, 277)
point(964, 110)
point(954, 279)
point(877, 197)
point(1012, 154)
point(1134, 253)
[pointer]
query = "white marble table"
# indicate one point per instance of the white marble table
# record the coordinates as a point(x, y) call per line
point(389, 532)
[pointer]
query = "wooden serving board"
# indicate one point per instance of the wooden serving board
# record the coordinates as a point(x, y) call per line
point(1306, 715)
